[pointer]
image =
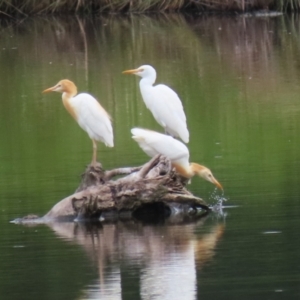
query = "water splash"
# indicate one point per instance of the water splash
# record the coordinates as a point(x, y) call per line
point(217, 201)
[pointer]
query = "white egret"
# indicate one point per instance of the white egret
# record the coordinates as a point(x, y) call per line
point(154, 143)
point(88, 113)
point(163, 102)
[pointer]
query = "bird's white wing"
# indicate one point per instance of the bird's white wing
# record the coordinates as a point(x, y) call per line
point(167, 109)
point(92, 118)
point(154, 143)
point(173, 99)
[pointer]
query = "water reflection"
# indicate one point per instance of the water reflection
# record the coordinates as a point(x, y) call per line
point(166, 255)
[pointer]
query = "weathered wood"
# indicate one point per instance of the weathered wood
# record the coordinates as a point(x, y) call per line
point(99, 195)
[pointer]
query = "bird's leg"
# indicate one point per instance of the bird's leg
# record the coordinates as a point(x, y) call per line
point(94, 159)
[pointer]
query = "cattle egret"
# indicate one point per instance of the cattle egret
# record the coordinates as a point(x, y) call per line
point(88, 113)
point(154, 143)
point(163, 102)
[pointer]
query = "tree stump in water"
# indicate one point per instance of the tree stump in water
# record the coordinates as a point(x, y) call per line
point(153, 186)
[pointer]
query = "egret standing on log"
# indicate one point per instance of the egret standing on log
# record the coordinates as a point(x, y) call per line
point(88, 113)
point(154, 143)
point(163, 102)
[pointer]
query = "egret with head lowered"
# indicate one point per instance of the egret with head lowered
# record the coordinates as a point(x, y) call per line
point(154, 143)
point(88, 113)
point(163, 102)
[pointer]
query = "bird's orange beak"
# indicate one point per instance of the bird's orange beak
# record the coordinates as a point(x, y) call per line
point(217, 184)
point(131, 71)
point(51, 89)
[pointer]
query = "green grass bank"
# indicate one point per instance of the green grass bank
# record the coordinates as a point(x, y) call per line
point(32, 7)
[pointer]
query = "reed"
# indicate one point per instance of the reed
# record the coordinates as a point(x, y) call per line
point(30, 7)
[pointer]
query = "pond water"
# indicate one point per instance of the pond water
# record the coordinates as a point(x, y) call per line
point(238, 79)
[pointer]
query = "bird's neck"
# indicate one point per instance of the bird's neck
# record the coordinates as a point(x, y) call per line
point(189, 171)
point(66, 99)
point(196, 169)
point(184, 171)
point(146, 81)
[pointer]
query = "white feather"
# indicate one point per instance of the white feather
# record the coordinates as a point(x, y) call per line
point(92, 118)
point(153, 143)
point(164, 103)
point(167, 110)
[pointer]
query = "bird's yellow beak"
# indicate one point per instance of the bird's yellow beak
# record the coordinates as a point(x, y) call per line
point(217, 184)
point(51, 89)
point(131, 71)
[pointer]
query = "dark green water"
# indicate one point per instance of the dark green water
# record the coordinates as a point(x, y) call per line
point(238, 79)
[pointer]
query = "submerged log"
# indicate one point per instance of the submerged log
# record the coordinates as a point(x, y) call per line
point(153, 185)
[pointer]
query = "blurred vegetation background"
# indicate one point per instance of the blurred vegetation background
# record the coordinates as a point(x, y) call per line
point(30, 7)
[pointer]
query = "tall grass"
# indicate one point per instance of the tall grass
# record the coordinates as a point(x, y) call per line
point(29, 7)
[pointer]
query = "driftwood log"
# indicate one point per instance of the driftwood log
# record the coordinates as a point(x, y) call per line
point(153, 187)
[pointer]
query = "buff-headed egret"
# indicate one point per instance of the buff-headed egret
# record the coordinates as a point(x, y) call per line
point(163, 102)
point(153, 143)
point(88, 113)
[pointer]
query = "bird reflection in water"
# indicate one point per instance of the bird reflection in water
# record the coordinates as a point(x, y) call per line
point(167, 256)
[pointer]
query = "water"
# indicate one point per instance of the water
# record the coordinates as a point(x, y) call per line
point(238, 80)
